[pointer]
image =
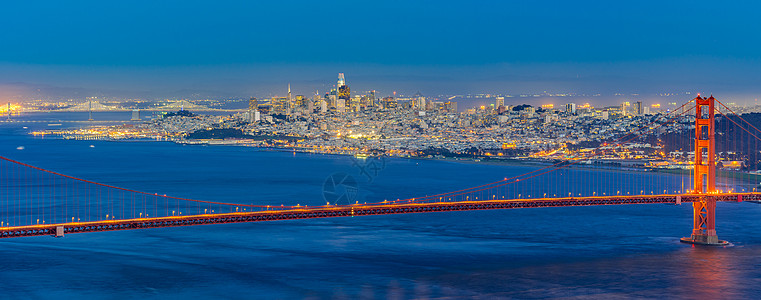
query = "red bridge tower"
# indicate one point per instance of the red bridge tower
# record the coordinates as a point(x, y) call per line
point(704, 211)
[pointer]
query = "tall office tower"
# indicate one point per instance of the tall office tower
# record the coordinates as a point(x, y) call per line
point(135, 115)
point(500, 102)
point(340, 105)
point(372, 98)
point(344, 92)
point(624, 108)
point(289, 103)
point(341, 80)
point(570, 108)
point(323, 106)
point(332, 100)
point(253, 104)
point(310, 106)
point(300, 101)
point(639, 108)
point(279, 105)
point(332, 96)
point(418, 101)
point(367, 101)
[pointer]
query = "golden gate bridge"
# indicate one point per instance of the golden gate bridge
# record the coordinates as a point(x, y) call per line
point(36, 201)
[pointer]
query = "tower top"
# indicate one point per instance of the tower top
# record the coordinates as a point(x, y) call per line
point(341, 80)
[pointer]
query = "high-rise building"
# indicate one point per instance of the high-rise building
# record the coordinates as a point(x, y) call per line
point(341, 105)
point(344, 92)
point(310, 106)
point(570, 108)
point(372, 98)
point(341, 80)
point(332, 97)
point(500, 102)
point(418, 101)
point(625, 108)
point(279, 105)
point(389, 103)
point(289, 102)
point(639, 108)
point(135, 115)
point(300, 101)
point(253, 104)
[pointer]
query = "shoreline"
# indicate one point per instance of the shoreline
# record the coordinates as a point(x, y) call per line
point(745, 178)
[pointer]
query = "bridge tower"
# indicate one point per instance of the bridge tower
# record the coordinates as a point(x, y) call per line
point(704, 211)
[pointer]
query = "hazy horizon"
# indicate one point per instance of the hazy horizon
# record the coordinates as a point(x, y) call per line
point(179, 49)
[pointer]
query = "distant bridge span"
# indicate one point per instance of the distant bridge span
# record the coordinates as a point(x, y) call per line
point(332, 211)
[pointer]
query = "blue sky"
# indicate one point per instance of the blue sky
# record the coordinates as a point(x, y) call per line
point(247, 47)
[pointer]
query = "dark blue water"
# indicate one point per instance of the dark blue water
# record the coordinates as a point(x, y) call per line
point(600, 252)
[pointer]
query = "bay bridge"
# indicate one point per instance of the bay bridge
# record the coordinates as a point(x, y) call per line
point(37, 202)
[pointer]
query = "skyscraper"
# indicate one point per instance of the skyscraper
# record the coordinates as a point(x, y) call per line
point(289, 102)
point(570, 108)
point(341, 105)
point(341, 80)
point(344, 92)
point(500, 102)
point(418, 101)
point(639, 108)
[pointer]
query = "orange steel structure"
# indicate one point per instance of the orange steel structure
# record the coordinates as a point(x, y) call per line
point(704, 210)
point(332, 211)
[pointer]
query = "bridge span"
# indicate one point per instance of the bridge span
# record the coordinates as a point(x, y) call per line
point(333, 211)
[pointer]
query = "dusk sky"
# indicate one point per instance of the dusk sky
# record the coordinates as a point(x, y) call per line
point(242, 49)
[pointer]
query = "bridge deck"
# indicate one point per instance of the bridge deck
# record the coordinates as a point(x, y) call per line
point(354, 210)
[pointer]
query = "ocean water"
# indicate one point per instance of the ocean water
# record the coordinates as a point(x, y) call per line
point(599, 252)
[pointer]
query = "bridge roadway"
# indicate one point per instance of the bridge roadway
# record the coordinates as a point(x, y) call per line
point(356, 210)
